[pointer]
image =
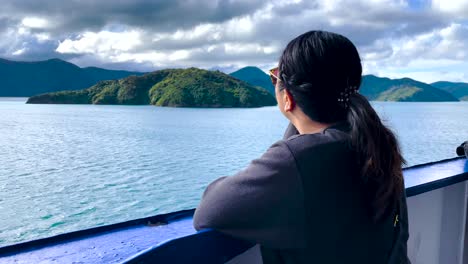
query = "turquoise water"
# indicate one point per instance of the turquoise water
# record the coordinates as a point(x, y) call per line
point(69, 167)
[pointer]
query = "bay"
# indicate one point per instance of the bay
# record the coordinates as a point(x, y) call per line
point(70, 167)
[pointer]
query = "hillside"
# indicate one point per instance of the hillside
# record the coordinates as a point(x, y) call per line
point(405, 89)
point(30, 78)
point(255, 77)
point(172, 87)
point(373, 87)
point(457, 89)
point(20, 79)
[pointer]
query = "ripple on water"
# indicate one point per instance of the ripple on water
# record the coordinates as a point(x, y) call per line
point(84, 212)
point(45, 217)
point(24, 174)
point(57, 224)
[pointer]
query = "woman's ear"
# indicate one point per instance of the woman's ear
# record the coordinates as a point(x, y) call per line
point(288, 100)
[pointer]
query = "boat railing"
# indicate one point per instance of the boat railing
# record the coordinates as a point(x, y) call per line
point(437, 207)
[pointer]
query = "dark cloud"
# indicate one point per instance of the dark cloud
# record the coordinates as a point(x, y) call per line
point(155, 15)
point(288, 21)
point(361, 21)
point(219, 34)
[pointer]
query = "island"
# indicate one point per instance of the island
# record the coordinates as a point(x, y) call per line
point(190, 87)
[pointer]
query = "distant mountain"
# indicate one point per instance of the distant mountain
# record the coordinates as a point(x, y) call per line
point(373, 87)
point(18, 78)
point(255, 77)
point(404, 90)
point(172, 87)
point(30, 78)
point(457, 89)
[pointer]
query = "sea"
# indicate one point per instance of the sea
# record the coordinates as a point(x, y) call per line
point(69, 167)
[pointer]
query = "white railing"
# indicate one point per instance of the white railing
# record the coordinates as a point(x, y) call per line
point(437, 222)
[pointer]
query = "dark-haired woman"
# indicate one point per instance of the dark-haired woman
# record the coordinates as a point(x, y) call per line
point(332, 190)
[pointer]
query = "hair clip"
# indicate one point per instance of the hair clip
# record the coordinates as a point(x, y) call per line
point(343, 98)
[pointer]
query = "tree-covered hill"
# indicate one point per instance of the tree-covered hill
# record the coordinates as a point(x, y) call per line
point(458, 89)
point(19, 78)
point(405, 89)
point(255, 77)
point(373, 87)
point(30, 78)
point(171, 87)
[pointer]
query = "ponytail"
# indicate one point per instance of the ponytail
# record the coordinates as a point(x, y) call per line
point(379, 156)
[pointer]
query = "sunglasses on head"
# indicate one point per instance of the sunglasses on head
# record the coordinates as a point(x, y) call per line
point(274, 75)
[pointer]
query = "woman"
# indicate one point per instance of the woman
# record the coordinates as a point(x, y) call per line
point(332, 190)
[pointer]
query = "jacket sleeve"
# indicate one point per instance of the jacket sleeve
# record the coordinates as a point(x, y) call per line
point(405, 231)
point(399, 254)
point(263, 203)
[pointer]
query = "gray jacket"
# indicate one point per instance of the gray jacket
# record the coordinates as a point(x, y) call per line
point(302, 202)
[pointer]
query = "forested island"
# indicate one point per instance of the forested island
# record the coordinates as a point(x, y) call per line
point(57, 81)
point(170, 87)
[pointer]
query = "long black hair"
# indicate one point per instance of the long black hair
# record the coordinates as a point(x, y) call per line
point(318, 68)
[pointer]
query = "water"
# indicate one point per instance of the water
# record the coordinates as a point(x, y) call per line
point(69, 167)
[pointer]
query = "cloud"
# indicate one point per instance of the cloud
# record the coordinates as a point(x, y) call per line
point(452, 7)
point(160, 15)
point(103, 42)
point(441, 53)
point(35, 22)
point(393, 36)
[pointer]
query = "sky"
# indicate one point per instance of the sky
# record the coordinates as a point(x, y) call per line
point(421, 39)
